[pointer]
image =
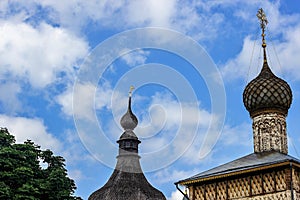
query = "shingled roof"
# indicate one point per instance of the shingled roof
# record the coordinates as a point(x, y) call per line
point(248, 163)
point(126, 185)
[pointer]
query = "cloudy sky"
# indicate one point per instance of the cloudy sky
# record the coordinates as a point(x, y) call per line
point(66, 68)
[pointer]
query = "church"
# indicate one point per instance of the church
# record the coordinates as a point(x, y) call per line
point(269, 172)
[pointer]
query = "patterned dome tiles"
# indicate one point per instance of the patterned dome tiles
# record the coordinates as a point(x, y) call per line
point(266, 92)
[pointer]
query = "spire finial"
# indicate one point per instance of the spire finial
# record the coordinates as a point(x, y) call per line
point(263, 23)
point(130, 90)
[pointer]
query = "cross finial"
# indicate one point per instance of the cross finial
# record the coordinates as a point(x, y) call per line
point(130, 90)
point(263, 23)
point(262, 18)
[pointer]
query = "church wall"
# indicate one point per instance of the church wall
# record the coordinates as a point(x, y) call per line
point(274, 184)
point(296, 183)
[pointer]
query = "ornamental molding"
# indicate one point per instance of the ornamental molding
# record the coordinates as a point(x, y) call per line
point(269, 133)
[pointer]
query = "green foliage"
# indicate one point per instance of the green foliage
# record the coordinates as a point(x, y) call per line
point(23, 178)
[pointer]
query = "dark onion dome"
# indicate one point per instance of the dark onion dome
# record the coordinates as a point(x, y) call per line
point(267, 92)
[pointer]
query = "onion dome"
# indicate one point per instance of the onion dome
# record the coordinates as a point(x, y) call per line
point(129, 120)
point(267, 92)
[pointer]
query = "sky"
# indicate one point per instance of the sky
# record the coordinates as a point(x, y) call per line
point(66, 68)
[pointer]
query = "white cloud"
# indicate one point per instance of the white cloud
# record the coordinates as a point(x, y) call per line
point(239, 67)
point(171, 174)
point(282, 45)
point(76, 175)
point(278, 21)
point(176, 195)
point(65, 100)
point(34, 129)
point(201, 19)
point(166, 112)
point(136, 57)
point(79, 102)
point(75, 152)
point(128, 13)
point(9, 97)
point(287, 52)
point(152, 13)
point(280, 54)
point(189, 17)
point(89, 98)
point(173, 119)
point(240, 135)
point(38, 54)
point(75, 14)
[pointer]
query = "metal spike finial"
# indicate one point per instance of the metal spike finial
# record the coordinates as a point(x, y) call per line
point(130, 90)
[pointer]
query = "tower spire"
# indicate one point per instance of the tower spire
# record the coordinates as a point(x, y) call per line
point(268, 99)
point(128, 180)
point(263, 23)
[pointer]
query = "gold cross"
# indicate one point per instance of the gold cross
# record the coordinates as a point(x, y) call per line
point(262, 18)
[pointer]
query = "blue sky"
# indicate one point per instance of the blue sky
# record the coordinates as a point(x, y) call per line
point(66, 68)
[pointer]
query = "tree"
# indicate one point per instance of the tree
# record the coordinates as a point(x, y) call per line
point(23, 178)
